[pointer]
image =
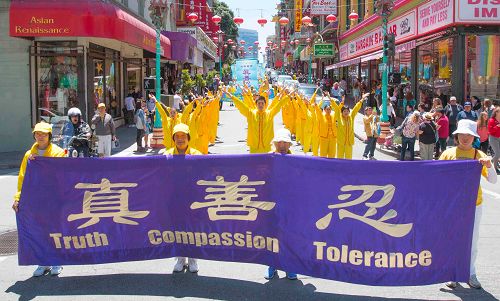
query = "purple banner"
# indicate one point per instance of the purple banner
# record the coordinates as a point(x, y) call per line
point(373, 223)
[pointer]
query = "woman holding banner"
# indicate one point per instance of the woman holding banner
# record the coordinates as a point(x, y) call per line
point(464, 137)
point(42, 147)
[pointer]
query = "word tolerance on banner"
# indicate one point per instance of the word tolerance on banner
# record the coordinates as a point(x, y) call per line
point(333, 219)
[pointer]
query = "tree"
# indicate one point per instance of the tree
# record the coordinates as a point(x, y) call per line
point(210, 78)
point(187, 83)
point(200, 82)
point(226, 25)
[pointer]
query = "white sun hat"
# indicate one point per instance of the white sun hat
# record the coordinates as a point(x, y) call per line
point(283, 135)
point(466, 126)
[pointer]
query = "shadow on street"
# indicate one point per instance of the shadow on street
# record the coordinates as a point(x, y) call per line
point(191, 285)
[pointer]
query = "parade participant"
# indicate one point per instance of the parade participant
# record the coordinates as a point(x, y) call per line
point(260, 121)
point(327, 128)
point(482, 131)
point(369, 120)
point(42, 133)
point(307, 112)
point(104, 130)
point(180, 137)
point(494, 132)
point(282, 142)
point(167, 122)
point(464, 137)
point(345, 129)
point(76, 127)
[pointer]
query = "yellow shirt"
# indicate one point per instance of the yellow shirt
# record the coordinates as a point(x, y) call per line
point(455, 153)
point(51, 151)
point(189, 151)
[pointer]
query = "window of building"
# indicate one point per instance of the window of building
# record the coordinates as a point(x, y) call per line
point(125, 2)
point(141, 7)
point(361, 10)
point(347, 13)
point(482, 66)
point(58, 75)
point(434, 70)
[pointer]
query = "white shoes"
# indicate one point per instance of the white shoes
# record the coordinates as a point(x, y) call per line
point(180, 264)
point(193, 265)
point(52, 270)
point(473, 283)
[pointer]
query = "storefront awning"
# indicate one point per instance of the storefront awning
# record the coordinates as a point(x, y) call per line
point(184, 45)
point(399, 48)
point(343, 64)
point(85, 18)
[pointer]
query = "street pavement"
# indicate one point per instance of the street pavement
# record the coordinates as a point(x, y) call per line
point(153, 280)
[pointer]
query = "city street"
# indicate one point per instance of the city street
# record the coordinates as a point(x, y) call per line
point(154, 280)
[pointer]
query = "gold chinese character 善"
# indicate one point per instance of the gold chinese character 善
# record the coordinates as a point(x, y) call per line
point(106, 202)
point(231, 197)
point(394, 230)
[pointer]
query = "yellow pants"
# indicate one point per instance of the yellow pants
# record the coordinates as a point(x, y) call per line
point(202, 144)
point(328, 147)
point(306, 142)
point(344, 151)
point(315, 144)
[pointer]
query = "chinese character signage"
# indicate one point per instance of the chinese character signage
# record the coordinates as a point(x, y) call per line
point(246, 72)
point(366, 226)
point(298, 15)
point(324, 50)
point(323, 7)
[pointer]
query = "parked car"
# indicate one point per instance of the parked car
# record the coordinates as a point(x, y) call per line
point(308, 90)
point(55, 118)
point(291, 83)
point(282, 78)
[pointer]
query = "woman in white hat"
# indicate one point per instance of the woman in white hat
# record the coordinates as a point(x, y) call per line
point(464, 137)
point(42, 133)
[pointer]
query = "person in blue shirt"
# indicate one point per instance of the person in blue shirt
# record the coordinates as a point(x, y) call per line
point(467, 113)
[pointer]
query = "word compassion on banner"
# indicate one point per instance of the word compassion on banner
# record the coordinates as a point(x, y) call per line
point(345, 220)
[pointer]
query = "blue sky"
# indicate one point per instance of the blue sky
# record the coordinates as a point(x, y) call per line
point(250, 11)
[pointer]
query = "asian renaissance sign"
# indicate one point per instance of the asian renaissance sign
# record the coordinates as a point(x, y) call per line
point(345, 220)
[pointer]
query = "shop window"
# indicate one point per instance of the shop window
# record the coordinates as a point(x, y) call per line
point(141, 7)
point(347, 12)
point(57, 66)
point(434, 71)
point(482, 66)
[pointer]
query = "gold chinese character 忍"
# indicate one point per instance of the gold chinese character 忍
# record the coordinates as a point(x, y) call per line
point(394, 230)
point(231, 197)
point(106, 202)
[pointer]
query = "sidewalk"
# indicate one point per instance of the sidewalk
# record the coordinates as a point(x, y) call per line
point(359, 132)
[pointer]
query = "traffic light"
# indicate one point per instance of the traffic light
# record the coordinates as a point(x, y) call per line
point(389, 45)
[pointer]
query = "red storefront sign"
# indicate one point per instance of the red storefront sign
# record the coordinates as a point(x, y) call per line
point(91, 18)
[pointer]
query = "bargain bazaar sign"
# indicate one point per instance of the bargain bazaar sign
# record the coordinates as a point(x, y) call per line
point(404, 28)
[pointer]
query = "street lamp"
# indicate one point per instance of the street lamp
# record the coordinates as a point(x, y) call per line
point(384, 9)
point(220, 40)
point(158, 13)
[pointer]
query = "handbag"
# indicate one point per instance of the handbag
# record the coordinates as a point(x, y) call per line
point(399, 130)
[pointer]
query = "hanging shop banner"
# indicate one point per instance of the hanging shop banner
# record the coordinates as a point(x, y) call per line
point(324, 50)
point(403, 27)
point(434, 15)
point(324, 7)
point(478, 11)
point(246, 72)
point(444, 59)
point(298, 15)
point(367, 226)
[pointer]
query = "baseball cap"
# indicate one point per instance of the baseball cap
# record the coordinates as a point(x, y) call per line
point(467, 103)
point(101, 105)
point(453, 98)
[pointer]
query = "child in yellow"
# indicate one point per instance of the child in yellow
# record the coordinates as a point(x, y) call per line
point(345, 130)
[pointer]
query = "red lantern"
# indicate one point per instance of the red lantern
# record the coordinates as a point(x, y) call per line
point(306, 20)
point(297, 42)
point(256, 43)
point(216, 19)
point(238, 20)
point(353, 16)
point(216, 39)
point(229, 41)
point(250, 48)
point(225, 45)
point(284, 21)
point(331, 18)
point(262, 22)
point(291, 43)
point(283, 43)
point(192, 17)
point(242, 42)
point(308, 40)
point(269, 43)
point(233, 47)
